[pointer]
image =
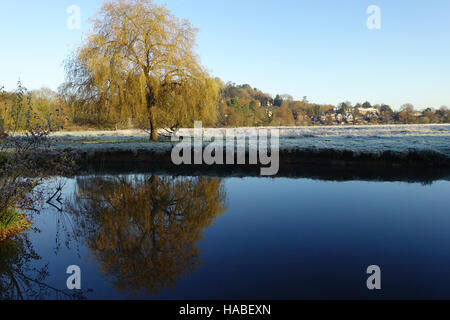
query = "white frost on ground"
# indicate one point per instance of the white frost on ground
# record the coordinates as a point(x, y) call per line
point(286, 132)
point(366, 139)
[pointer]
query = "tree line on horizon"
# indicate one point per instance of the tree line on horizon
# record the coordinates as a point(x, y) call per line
point(138, 69)
point(235, 106)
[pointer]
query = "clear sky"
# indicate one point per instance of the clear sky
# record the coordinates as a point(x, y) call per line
point(321, 49)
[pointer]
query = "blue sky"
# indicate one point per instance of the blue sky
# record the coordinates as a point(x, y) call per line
point(321, 49)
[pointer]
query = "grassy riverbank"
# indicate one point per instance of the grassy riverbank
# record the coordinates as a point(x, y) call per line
point(12, 223)
point(387, 146)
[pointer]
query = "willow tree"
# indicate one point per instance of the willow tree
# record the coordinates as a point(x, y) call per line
point(139, 40)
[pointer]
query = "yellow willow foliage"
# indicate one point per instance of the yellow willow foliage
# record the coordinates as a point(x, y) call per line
point(195, 100)
point(140, 63)
point(144, 230)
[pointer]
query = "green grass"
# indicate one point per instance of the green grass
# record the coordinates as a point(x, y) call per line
point(12, 223)
point(8, 218)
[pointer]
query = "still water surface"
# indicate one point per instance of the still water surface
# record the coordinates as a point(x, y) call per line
point(149, 237)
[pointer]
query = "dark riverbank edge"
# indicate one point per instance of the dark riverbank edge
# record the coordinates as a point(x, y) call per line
point(323, 164)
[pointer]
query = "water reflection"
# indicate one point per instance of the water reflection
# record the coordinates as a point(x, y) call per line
point(140, 236)
point(21, 277)
point(143, 230)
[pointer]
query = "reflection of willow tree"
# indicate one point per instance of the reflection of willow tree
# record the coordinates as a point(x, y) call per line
point(21, 278)
point(144, 230)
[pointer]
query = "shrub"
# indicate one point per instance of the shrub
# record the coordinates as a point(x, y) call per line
point(24, 165)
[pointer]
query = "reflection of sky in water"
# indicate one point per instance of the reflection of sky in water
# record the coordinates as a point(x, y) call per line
point(295, 238)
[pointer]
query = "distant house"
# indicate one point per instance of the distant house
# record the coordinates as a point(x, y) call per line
point(366, 111)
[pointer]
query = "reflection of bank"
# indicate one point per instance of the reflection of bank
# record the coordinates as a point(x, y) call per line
point(143, 230)
point(20, 279)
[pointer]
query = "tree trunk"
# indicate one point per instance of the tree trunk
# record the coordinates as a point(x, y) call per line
point(150, 97)
point(153, 128)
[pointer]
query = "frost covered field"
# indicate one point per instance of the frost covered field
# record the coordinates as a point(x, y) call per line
point(364, 139)
point(285, 132)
